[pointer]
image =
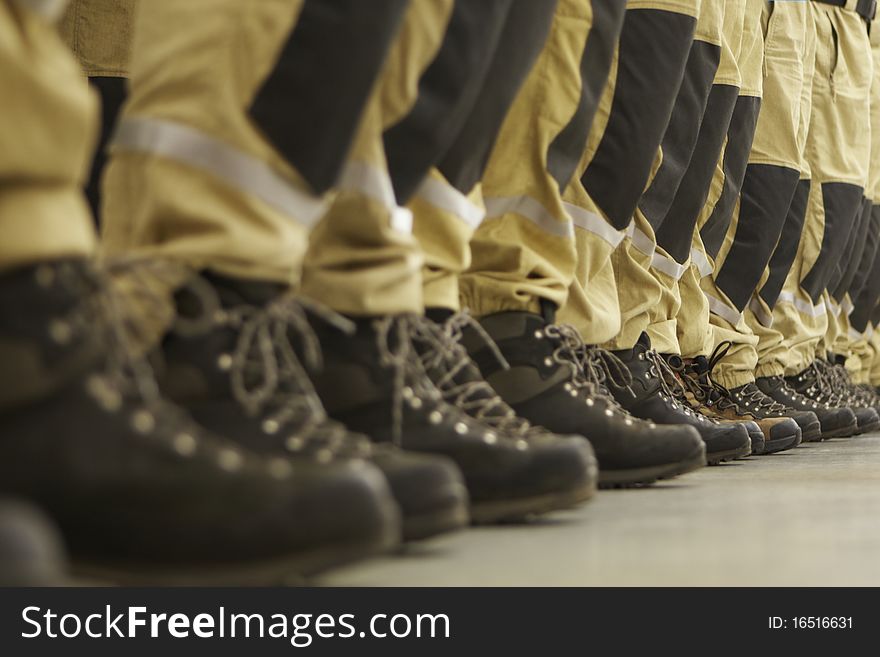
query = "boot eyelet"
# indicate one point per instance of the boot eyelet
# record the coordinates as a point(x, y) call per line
point(108, 398)
point(573, 393)
point(143, 422)
point(45, 276)
point(324, 456)
point(415, 402)
point(609, 412)
point(224, 362)
point(539, 335)
point(628, 422)
point(460, 428)
point(490, 438)
point(435, 417)
point(548, 362)
point(294, 444)
point(589, 402)
point(184, 444)
point(641, 356)
point(407, 392)
point(270, 427)
point(230, 460)
point(60, 332)
point(522, 445)
point(651, 425)
point(280, 468)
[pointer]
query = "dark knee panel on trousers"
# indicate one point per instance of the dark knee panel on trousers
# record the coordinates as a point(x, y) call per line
point(311, 104)
point(448, 90)
point(567, 149)
point(675, 234)
point(842, 203)
point(872, 243)
point(736, 158)
point(786, 249)
point(767, 192)
point(852, 258)
point(682, 133)
point(654, 46)
point(523, 37)
point(866, 308)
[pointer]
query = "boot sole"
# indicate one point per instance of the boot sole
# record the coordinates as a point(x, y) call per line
point(842, 432)
point(781, 444)
point(636, 477)
point(874, 426)
point(281, 571)
point(812, 434)
point(509, 511)
point(717, 458)
point(428, 525)
point(760, 448)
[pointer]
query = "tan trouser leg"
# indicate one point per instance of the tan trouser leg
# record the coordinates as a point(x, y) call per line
point(524, 250)
point(47, 131)
point(838, 153)
point(362, 257)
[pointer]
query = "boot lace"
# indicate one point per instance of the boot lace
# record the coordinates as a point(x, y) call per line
point(269, 381)
point(410, 382)
point(592, 368)
point(819, 383)
point(125, 381)
point(750, 395)
point(443, 352)
point(793, 394)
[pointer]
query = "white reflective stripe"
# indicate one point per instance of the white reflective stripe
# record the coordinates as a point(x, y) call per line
point(640, 240)
point(702, 262)
point(376, 184)
point(239, 170)
point(847, 306)
point(444, 196)
point(402, 220)
point(51, 10)
point(757, 308)
point(593, 223)
point(802, 306)
point(369, 181)
point(834, 307)
point(668, 266)
point(725, 312)
point(529, 208)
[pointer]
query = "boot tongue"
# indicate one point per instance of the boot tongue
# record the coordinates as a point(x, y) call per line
point(439, 315)
point(642, 345)
point(231, 293)
point(239, 291)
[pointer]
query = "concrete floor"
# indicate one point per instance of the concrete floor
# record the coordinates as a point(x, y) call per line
point(810, 516)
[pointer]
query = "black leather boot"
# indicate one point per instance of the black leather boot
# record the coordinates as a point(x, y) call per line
point(141, 492)
point(542, 377)
point(656, 395)
point(237, 369)
point(374, 382)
